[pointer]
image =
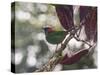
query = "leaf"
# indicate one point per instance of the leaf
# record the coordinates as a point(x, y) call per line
point(75, 58)
point(88, 16)
point(65, 15)
point(83, 12)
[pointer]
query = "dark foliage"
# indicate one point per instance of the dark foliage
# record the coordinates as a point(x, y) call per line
point(88, 17)
point(74, 58)
point(65, 15)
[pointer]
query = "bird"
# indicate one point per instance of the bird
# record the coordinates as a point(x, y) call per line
point(53, 36)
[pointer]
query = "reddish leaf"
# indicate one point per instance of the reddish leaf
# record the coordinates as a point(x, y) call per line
point(65, 15)
point(75, 58)
point(83, 12)
point(65, 57)
point(89, 20)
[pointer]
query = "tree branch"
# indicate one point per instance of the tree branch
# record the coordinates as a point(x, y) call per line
point(53, 61)
point(55, 58)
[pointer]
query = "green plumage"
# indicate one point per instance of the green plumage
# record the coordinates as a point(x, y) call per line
point(56, 37)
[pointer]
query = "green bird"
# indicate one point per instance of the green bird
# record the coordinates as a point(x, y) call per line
point(54, 37)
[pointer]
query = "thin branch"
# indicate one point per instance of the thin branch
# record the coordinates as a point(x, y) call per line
point(78, 39)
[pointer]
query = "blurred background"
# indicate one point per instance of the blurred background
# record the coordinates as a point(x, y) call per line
point(31, 48)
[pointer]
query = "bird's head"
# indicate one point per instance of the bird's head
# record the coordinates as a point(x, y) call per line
point(48, 30)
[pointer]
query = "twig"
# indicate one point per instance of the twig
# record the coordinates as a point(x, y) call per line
point(83, 41)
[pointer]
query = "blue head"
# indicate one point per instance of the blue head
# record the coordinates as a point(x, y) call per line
point(47, 30)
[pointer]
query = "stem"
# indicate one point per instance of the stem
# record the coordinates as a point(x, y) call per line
point(83, 41)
